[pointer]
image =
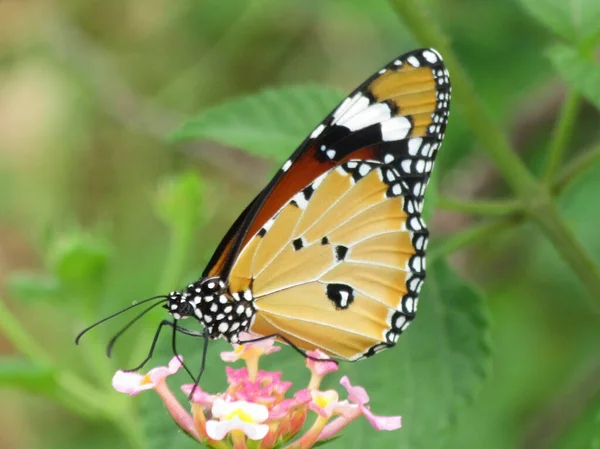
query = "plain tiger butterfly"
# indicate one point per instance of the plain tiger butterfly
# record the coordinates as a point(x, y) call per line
point(330, 255)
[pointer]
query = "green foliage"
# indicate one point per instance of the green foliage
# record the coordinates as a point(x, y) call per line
point(77, 264)
point(179, 201)
point(216, 52)
point(33, 287)
point(78, 261)
point(577, 21)
point(270, 124)
point(583, 74)
point(19, 373)
point(584, 433)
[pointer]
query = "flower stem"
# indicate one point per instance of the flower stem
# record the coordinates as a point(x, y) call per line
point(183, 419)
point(337, 425)
point(239, 439)
point(311, 436)
point(561, 134)
point(534, 196)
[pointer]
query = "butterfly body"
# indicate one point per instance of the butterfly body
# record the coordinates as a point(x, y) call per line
point(222, 314)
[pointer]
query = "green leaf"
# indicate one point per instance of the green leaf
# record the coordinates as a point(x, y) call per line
point(180, 199)
point(578, 21)
point(584, 433)
point(437, 366)
point(582, 74)
point(270, 124)
point(17, 373)
point(79, 260)
point(33, 287)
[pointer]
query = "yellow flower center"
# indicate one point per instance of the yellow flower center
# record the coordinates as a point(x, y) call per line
point(146, 380)
point(322, 401)
point(241, 414)
point(240, 349)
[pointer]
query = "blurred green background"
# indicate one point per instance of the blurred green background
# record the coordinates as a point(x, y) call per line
point(89, 93)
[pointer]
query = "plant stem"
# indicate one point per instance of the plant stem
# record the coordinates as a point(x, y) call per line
point(575, 169)
point(493, 140)
point(535, 197)
point(561, 134)
point(470, 236)
point(479, 207)
point(548, 218)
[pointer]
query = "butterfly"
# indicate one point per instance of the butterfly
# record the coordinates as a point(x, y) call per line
point(330, 255)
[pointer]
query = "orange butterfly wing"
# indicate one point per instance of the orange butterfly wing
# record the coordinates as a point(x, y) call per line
point(355, 186)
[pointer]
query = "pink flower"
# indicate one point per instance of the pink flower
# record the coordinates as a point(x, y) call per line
point(255, 407)
point(359, 396)
point(267, 388)
point(134, 383)
point(280, 410)
point(323, 402)
point(200, 396)
point(250, 352)
point(319, 369)
point(244, 351)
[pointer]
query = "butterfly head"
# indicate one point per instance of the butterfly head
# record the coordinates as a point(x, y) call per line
point(179, 305)
point(209, 301)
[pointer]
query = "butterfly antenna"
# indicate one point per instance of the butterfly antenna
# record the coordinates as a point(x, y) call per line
point(114, 339)
point(85, 331)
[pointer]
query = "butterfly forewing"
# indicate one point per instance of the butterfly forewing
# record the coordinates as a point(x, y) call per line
point(333, 248)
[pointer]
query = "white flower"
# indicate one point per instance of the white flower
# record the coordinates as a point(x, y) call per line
point(239, 415)
point(134, 383)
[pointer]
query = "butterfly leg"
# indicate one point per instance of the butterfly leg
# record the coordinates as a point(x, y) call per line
point(291, 344)
point(157, 335)
point(202, 365)
point(184, 331)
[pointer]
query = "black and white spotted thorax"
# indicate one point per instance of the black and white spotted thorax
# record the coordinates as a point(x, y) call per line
point(224, 315)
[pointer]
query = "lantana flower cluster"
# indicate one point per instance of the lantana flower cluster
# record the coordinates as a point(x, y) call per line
point(255, 410)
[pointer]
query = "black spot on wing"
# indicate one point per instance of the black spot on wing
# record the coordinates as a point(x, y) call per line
point(342, 295)
point(340, 252)
point(298, 244)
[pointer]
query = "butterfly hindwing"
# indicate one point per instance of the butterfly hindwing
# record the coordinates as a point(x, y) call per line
point(354, 273)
